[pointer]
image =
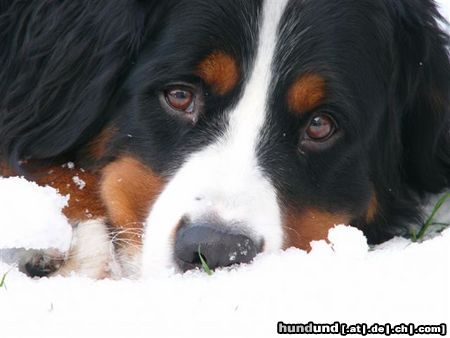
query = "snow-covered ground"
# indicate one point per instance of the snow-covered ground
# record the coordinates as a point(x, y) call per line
point(397, 282)
point(400, 282)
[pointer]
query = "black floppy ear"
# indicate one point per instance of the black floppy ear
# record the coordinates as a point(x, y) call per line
point(60, 64)
point(422, 93)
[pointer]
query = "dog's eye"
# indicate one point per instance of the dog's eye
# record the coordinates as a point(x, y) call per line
point(180, 99)
point(320, 128)
point(183, 101)
point(320, 133)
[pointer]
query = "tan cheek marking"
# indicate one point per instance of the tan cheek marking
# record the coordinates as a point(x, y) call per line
point(128, 190)
point(372, 208)
point(302, 227)
point(5, 171)
point(220, 71)
point(306, 93)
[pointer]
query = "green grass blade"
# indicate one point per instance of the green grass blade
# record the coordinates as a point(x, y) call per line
point(2, 281)
point(413, 235)
point(439, 224)
point(429, 221)
point(204, 264)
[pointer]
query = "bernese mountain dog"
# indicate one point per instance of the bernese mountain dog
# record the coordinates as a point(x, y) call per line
point(223, 128)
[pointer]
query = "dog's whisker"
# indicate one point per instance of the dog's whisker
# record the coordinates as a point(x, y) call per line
point(133, 244)
point(292, 230)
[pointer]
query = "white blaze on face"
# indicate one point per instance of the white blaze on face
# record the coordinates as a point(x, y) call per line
point(224, 179)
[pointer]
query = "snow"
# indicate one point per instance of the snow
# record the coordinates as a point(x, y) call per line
point(31, 216)
point(340, 280)
point(444, 8)
point(79, 182)
point(69, 165)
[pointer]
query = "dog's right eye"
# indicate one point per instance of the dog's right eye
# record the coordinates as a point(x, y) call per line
point(180, 99)
point(183, 101)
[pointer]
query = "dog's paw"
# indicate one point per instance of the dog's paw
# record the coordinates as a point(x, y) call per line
point(91, 254)
point(41, 263)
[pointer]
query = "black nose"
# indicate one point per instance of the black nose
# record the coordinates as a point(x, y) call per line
point(218, 246)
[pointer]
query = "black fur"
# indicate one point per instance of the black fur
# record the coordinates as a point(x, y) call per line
point(61, 63)
point(70, 68)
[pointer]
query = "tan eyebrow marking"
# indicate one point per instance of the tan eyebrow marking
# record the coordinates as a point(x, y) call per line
point(306, 93)
point(220, 71)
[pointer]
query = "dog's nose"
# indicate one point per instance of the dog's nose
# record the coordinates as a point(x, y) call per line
point(217, 245)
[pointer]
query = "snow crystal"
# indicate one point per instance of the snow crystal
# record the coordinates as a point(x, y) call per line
point(69, 165)
point(79, 182)
point(232, 256)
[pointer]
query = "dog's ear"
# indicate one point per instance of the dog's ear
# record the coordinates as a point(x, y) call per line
point(421, 92)
point(60, 64)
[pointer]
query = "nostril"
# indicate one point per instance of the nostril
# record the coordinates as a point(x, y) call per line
point(218, 246)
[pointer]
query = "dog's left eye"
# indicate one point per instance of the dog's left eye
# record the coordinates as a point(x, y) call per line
point(321, 127)
point(319, 133)
point(183, 101)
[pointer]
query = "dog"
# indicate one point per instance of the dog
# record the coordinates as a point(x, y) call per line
point(197, 129)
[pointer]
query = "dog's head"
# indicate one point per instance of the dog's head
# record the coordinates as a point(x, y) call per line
point(249, 126)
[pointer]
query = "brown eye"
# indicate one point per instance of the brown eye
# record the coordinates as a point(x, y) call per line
point(183, 101)
point(321, 127)
point(180, 99)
